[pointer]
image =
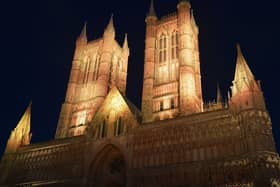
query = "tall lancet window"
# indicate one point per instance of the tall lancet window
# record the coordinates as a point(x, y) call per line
point(103, 129)
point(162, 68)
point(118, 127)
point(96, 68)
point(174, 56)
point(174, 45)
point(162, 48)
point(86, 70)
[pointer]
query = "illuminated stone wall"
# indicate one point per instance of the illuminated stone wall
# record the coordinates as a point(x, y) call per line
point(218, 148)
point(115, 117)
point(97, 66)
point(102, 139)
point(215, 148)
point(51, 163)
point(172, 82)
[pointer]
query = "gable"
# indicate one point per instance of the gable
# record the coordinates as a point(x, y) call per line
point(115, 107)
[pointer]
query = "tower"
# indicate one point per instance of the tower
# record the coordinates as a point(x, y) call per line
point(248, 105)
point(97, 66)
point(21, 134)
point(225, 145)
point(172, 82)
point(189, 65)
point(149, 74)
point(246, 91)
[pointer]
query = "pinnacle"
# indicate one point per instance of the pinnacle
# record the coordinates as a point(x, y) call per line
point(84, 31)
point(242, 70)
point(110, 26)
point(125, 43)
point(21, 134)
point(219, 94)
point(193, 22)
point(24, 123)
point(82, 39)
point(152, 11)
point(180, 1)
point(238, 48)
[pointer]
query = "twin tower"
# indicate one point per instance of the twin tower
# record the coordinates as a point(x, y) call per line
point(172, 80)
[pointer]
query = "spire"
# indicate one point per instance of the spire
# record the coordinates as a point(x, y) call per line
point(183, 1)
point(242, 70)
point(110, 26)
point(84, 31)
point(82, 39)
point(152, 11)
point(110, 30)
point(228, 96)
point(125, 43)
point(21, 134)
point(219, 94)
point(24, 123)
point(246, 92)
point(193, 22)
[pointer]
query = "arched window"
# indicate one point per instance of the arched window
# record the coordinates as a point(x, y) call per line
point(103, 129)
point(172, 103)
point(96, 68)
point(174, 56)
point(161, 106)
point(174, 45)
point(86, 70)
point(162, 48)
point(118, 127)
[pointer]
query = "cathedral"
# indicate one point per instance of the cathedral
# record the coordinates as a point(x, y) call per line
point(176, 140)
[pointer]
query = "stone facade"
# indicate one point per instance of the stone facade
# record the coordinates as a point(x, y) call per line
point(172, 82)
point(103, 140)
point(97, 67)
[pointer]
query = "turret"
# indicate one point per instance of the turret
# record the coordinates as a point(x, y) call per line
point(148, 82)
point(189, 66)
point(97, 67)
point(193, 24)
point(125, 43)
point(181, 1)
point(81, 43)
point(246, 91)
point(21, 134)
point(219, 98)
point(106, 61)
point(82, 39)
point(152, 12)
point(109, 32)
point(125, 51)
point(66, 108)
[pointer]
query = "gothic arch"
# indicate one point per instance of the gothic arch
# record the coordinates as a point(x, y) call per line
point(108, 168)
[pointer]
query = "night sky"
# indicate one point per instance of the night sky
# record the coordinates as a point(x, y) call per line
point(38, 40)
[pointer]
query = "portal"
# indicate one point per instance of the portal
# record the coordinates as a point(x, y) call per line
point(108, 169)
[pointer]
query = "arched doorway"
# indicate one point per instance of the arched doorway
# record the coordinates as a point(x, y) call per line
point(108, 169)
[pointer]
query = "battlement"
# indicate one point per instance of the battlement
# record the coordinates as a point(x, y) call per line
point(213, 105)
point(169, 17)
point(95, 41)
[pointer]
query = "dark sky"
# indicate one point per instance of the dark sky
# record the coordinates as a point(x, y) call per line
point(38, 40)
